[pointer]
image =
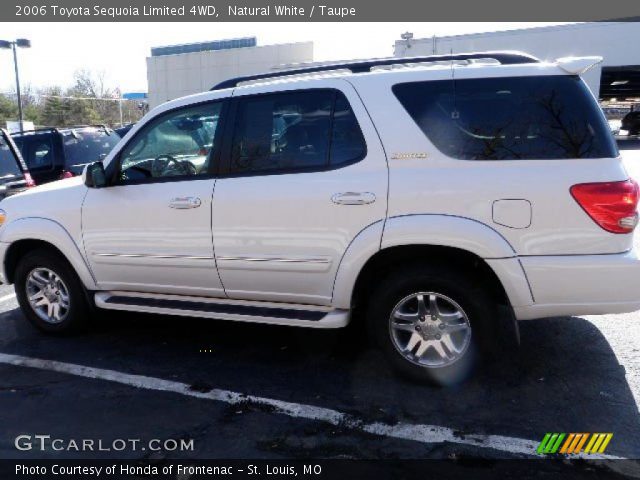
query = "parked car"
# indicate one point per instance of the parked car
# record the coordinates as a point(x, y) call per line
point(123, 130)
point(631, 123)
point(417, 202)
point(14, 174)
point(56, 153)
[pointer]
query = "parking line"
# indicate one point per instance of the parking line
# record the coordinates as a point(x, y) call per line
point(428, 434)
point(7, 297)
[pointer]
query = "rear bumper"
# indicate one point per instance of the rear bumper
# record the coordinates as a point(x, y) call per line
point(581, 285)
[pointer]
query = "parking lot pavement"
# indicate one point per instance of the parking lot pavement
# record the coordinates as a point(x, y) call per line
point(570, 375)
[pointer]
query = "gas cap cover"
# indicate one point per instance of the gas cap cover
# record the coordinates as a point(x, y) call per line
point(512, 212)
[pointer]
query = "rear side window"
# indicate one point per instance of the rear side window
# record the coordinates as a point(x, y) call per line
point(295, 131)
point(545, 117)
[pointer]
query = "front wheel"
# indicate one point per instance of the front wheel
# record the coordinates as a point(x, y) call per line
point(50, 293)
point(431, 323)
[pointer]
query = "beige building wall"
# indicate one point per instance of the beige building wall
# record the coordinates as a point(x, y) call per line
point(173, 76)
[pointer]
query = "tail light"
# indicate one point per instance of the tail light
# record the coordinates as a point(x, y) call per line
point(66, 174)
point(612, 205)
point(29, 180)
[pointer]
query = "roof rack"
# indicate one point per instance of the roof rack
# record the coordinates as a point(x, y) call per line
point(69, 127)
point(91, 125)
point(360, 66)
point(36, 130)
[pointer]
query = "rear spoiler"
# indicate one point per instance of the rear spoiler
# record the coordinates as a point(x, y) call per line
point(577, 65)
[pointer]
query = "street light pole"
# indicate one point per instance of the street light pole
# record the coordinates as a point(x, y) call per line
point(15, 64)
point(22, 43)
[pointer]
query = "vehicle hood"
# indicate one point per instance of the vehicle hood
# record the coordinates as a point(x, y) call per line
point(57, 201)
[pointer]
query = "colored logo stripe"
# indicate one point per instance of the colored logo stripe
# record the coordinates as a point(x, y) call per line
point(597, 443)
point(550, 443)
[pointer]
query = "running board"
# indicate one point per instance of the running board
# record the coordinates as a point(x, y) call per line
point(225, 309)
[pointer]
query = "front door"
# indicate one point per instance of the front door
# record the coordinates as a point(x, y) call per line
point(305, 173)
point(151, 229)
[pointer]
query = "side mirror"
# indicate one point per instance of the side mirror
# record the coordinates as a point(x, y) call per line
point(93, 175)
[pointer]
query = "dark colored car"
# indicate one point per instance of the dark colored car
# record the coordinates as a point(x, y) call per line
point(122, 131)
point(631, 123)
point(14, 175)
point(56, 153)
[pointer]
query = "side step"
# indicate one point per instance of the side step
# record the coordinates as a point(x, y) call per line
point(224, 309)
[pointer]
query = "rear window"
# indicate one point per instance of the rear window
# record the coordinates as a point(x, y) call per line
point(88, 145)
point(8, 162)
point(509, 118)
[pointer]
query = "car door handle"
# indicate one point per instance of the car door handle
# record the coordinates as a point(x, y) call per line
point(185, 202)
point(353, 198)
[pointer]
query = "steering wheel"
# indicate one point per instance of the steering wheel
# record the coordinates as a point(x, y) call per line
point(164, 163)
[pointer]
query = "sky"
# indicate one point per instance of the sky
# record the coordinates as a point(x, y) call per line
point(120, 49)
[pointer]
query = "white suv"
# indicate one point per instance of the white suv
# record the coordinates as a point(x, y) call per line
point(424, 193)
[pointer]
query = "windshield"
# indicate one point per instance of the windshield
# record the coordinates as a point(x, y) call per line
point(8, 162)
point(88, 145)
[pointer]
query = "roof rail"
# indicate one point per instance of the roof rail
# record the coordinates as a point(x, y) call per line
point(36, 130)
point(69, 127)
point(360, 66)
point(88, 125)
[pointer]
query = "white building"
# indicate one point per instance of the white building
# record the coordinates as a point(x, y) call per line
point(179, 70)
point(617, 42)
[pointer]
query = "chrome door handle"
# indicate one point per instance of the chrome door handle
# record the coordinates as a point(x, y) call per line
point(185, 202)
point(353, 198)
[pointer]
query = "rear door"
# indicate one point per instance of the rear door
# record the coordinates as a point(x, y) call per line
point(304, 174)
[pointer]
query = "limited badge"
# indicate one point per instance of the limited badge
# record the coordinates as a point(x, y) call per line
point(408, 155)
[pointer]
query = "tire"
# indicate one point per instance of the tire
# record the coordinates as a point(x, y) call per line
point(465, 312)
point(49, 277)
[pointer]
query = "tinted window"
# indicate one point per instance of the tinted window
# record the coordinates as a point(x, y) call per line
point(37, 151)
point(545, 117)
point(87, 145)
point(347, 142)
point(8, 162)
point(286, 131)
point(295, 131)
point(178, 143)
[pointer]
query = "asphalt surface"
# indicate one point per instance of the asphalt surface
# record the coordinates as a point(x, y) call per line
point(577, 374)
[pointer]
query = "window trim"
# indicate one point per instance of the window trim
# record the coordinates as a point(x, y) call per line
point(114, 167)
point(227, 148)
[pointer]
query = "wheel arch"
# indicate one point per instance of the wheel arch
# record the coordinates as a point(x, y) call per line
point(435, 238)
point(399, 256)
point(27, 234)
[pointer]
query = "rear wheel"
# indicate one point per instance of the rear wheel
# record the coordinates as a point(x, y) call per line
point(432, 323)
point(49, 292)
